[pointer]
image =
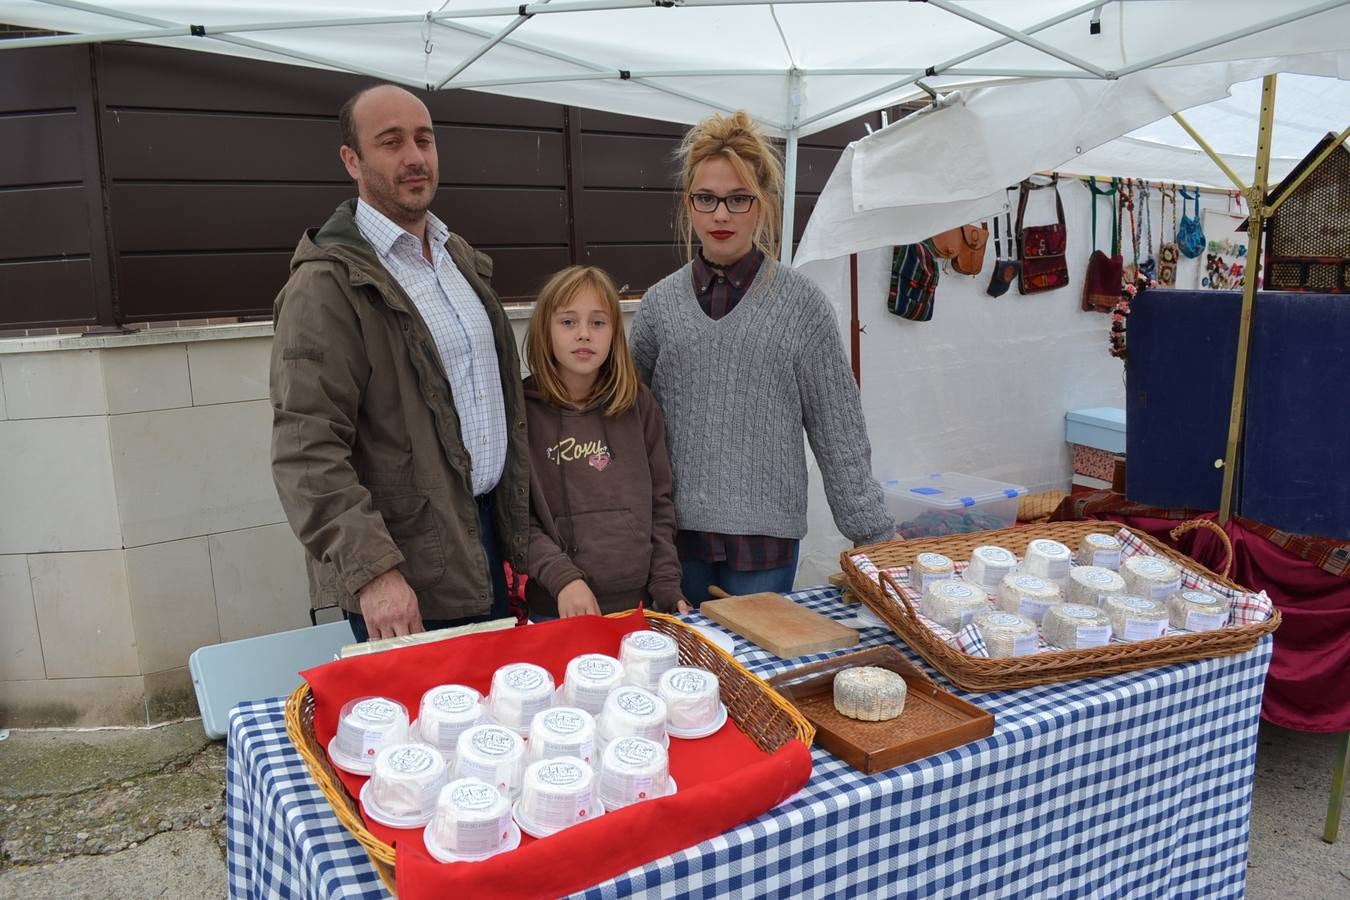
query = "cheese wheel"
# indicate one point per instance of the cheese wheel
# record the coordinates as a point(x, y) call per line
point(952, 602)
point(869, 693)
point(1007, 633)
point(1148, 576)
point(1091, 585)
point(1197, 610)
point(1073, 626)
point(1047, 559)
point(988, 565)
point(927, 568)
point(1027, 595)
point(1135, 618)
point(1099, 550)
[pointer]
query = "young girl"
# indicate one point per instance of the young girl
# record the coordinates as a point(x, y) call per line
point(602, 524)
point(743, 355)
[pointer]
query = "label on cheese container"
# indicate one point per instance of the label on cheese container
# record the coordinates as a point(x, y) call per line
point(1203, 621)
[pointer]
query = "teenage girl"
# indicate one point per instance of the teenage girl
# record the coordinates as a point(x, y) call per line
point(602, 524)
point(744, 356)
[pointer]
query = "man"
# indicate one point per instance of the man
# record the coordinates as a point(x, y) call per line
point(398, 427)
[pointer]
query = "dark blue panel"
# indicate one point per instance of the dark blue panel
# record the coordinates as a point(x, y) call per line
point(1179, 388)
point(1296, 447)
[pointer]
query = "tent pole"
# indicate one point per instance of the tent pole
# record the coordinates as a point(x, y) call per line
point(1218, 160)
point(794, 106)
point(1256, 201)
point(854, 326)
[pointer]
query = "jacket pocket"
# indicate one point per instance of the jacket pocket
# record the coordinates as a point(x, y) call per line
point(612, 548)
point(411, 522)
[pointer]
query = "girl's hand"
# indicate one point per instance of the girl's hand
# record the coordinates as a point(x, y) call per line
point(682, 607)
point(577, 599)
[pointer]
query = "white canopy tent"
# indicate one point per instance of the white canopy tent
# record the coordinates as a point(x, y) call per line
point(798, 66)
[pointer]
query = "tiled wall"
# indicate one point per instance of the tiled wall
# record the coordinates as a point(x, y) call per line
point(138, 520)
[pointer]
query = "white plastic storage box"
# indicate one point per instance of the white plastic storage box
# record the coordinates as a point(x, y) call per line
point(950, 503)
point(1102, 428)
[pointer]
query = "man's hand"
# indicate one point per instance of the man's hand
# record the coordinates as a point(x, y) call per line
point(390, 606)
point(577, 600)
point(683, 607)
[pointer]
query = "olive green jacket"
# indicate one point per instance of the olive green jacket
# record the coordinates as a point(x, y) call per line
point(366, 449)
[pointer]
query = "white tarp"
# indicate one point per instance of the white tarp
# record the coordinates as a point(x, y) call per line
point(949, 165)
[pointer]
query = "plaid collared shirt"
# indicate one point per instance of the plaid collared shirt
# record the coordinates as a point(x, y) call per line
point(718, 291)
point(459, 325)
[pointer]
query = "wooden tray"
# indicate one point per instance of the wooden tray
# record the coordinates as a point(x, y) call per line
point(933, 720)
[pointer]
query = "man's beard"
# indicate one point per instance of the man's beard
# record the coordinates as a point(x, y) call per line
point(386, 196)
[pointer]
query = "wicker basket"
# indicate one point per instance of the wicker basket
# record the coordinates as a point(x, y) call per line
point(764, 717)
point(975, 673)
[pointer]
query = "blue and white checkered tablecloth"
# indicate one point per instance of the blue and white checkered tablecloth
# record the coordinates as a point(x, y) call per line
point(1126, 786)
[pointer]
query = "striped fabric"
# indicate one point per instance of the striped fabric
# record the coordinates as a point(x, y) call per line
point(914, 280)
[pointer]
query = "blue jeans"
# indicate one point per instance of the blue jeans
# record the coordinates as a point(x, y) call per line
point(698, 574)
point(501, 609)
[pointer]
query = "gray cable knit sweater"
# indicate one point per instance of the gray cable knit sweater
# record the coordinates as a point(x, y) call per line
point(737, 394)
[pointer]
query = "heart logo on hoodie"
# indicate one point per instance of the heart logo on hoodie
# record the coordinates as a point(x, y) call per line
point(599, 461)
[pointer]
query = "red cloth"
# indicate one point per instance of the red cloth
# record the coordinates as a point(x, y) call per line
point(1308, 687)
point(707, 803)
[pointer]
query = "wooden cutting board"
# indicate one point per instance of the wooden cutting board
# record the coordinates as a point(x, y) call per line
point(778, 625)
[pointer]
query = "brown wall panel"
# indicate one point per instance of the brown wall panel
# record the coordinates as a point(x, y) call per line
point(42, 78)
point(595, 120)
point(135, 77)
point(42, 148)
point(192, 286)
point(626, 161)
point(814, 165)
point(152, 145)
point(46, 294)
point(174, 217)
point(43, 222)
point(182, 286)
point(519, 272)
point(638, 266)
point(609, 217)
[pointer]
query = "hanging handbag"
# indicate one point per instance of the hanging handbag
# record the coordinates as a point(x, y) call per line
point(1005, 268)
point(964, 246)
point(914, 280)
point(1148, 267)
point(1190, 234)
point(1101, 283)
point(1041, 248)
point(1168, 253)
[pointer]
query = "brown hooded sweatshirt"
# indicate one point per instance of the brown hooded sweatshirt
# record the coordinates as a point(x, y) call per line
point(600, 505)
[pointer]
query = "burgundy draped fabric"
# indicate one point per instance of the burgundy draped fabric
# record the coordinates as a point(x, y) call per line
point(1308, 688)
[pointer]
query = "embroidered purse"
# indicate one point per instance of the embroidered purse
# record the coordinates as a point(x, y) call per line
point(1190, 234)
point(1041, 248)
point(914, 280)
point(1168, 254)
point(1101, 282)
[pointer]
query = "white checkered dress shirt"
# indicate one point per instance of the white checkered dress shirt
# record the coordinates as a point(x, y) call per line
point(459, 324)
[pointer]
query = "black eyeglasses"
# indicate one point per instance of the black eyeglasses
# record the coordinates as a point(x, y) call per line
point(736, 203)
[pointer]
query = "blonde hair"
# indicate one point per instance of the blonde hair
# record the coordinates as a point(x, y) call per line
point(739, 140)
point(616, 384)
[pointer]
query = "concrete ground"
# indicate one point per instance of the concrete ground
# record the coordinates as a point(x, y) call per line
point(139, 813)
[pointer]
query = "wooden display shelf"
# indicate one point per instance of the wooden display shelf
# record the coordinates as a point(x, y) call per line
point(933, 720)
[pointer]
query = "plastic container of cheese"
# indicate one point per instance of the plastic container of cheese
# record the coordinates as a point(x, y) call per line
point(950, 503)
